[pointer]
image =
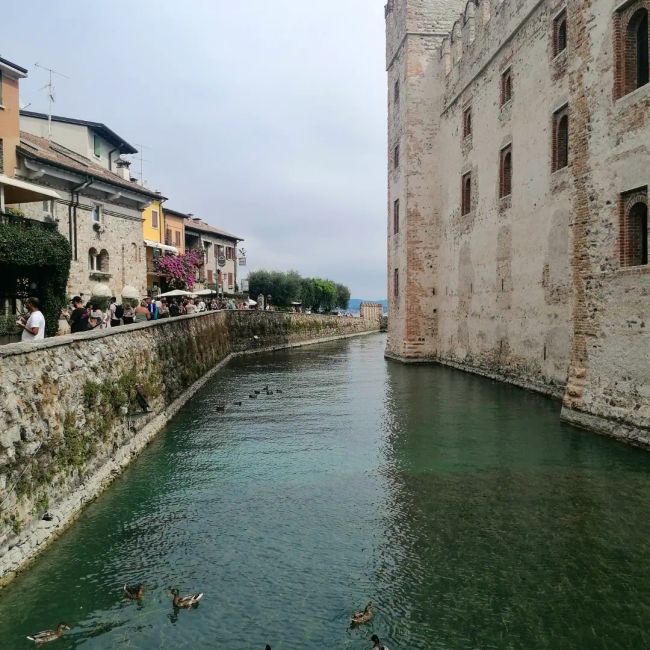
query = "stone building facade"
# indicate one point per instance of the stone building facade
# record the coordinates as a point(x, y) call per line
point(517, 181)
point(99, 211)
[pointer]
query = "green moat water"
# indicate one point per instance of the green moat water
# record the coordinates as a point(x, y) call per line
point(460, 506)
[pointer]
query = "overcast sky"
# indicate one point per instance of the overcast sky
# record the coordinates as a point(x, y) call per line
point(266, 118)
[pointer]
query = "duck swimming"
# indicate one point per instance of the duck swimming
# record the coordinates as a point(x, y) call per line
point(134, 592)
point(49, 635)
point(185, 602)
point(362, 617)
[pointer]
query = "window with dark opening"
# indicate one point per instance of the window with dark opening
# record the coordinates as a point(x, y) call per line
point(396, 93)
point(97, 146)
point(560, 139)
point(396, 217)
point(466, 194)
point(154, 219)
point(505, 180)
point(467, 122)
point(396, 283)
point(506, 86)
point(633, 67)
point(634, 228)
point(559, 34)
point(396, 157)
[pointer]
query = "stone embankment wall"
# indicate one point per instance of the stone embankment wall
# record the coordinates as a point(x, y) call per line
point(71, 417)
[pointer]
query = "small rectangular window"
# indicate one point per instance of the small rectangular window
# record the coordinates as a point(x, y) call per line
point(396, 283)
point(168, 236)
point(177, 238)
point(230, 280)
point(97, 145)
point(559, 33)
point(154, 218)
point(467, 122)
point(466, 193)
point(396, 216)
point(97, 214)
point(396, 157)
point(396, 93)
point(506, 86)
point(505, 172)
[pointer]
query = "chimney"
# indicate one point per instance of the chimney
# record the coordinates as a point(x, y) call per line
point(123, 168)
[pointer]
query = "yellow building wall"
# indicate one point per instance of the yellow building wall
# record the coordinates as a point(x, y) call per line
point(150, 231)
point(175, 228)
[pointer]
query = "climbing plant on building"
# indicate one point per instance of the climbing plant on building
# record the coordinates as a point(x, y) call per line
point(34, 260)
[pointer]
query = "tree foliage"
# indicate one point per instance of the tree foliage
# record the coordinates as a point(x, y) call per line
point(284, 288)
point(35, 260)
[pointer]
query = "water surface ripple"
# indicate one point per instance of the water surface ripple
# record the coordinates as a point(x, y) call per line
point(460, 506)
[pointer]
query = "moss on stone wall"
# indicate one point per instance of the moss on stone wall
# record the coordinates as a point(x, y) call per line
point(88, 408)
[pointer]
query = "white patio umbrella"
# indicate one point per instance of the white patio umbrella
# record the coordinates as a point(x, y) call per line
point(251, 302)
point(205, 292)
point(175, 292)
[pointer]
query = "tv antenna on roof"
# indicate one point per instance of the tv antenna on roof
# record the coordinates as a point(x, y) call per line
point(50, 95)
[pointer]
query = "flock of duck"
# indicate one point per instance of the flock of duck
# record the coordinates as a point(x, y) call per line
point(254, 395)
point(136, 592)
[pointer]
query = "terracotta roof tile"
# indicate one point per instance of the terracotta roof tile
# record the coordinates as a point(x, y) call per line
point(54, 153)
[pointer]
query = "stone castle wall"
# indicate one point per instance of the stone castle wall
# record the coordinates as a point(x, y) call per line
point(528, 288)
point(71, 417)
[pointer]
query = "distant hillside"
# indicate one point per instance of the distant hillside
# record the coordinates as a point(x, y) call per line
point(354, 303)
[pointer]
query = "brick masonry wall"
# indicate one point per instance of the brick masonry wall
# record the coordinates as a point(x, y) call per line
point(71, 420)
point(529, 288)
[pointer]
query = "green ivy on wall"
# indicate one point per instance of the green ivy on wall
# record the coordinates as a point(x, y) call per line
point(37, 253)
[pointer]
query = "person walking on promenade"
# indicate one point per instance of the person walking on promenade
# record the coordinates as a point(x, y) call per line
point(128, 314)
point(112, 312)
point(174, 309)
point(190, 308)
point(152, 307)
point(78, 317)
point(142, 312)
point(163, 310)
point(34, 327)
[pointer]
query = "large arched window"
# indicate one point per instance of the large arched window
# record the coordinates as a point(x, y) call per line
point(103, 261)
point(636, 51)
point(637, 230)
point(633, 237)
point(93, 260)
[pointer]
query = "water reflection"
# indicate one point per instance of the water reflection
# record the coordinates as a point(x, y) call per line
point(505, 529)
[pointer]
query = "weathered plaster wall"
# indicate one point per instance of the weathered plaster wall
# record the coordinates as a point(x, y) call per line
point(71, 420)
point(529, 288)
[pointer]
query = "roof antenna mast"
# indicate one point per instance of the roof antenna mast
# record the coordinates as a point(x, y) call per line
point(50, 95)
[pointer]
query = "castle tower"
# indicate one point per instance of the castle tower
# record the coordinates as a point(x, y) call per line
point(414, 32)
